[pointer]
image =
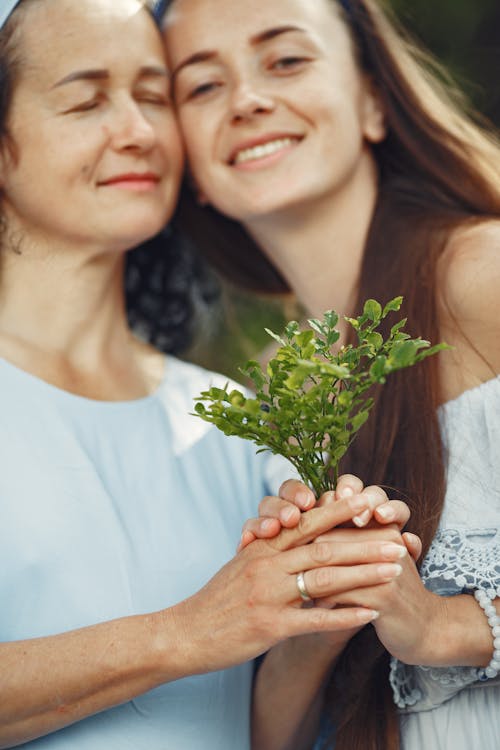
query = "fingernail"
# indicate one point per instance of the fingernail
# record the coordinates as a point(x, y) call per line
point(388, 571)
point(305, 499)
point(386, 512)
point(267, 525)
point(393, 551)
point(327, 498)
point(368, 615)
point(244, 539)
point(345, 492)
point(357, 503)
point(288, 513)
point(411, 538)
point(362, 519)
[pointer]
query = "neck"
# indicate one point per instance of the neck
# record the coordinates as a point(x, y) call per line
point(63, 319)
point(318, 247)
point(69, 303)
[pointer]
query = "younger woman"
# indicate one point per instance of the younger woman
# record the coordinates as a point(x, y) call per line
point(327, 158)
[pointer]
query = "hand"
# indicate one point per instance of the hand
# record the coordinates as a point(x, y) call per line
point(367, 503)
point(407, 611)
point(253, 602)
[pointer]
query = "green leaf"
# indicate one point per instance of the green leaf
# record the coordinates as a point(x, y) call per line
point(392, 306)
point(312, 399)
point(331, 319)
point(378, 368)
point(317, 326)
point(372, 310)
point(236, 398)
point(275, 336)
point(375, 340)
point(359, 419)
point(402, 354)
point(304, 338)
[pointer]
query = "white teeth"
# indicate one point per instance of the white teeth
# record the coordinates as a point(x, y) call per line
point(264, 149)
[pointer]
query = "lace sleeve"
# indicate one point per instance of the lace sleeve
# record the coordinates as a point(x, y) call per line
point(459, 561)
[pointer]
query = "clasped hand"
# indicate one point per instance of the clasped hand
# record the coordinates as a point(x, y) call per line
point(404, 611)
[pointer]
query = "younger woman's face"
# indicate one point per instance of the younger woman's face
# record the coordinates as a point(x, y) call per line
point(273, 109)
point(98, 157)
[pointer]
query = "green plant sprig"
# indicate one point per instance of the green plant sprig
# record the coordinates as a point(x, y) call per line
point(310, 402)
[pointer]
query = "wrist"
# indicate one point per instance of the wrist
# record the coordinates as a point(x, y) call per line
point(170, 647)
point(457, 634)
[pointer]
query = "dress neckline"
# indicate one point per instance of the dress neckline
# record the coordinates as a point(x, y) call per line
point(477, 390)
point(68, 396)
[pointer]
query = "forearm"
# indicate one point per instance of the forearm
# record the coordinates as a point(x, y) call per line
point(48, 683)
point(288, 692)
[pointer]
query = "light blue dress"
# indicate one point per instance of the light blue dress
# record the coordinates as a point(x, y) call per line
point(109, 509)
point(451, 708)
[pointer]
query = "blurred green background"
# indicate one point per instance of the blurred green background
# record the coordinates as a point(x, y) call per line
point(465, 36)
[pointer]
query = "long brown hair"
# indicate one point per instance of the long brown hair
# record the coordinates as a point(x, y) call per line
point(439, 168)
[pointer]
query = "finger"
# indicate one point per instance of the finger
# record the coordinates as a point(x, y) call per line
point(327, 498)
point(347, 486)
point(394, 511)
point(318, 620)
point(368, 533)
point(361, 597)
point(246, 538)
point(259, 528)
point(364, 503)
point(335, 581)
point(297, 493)
point(321, 554)
point(285, 511)
point(311, 524)
point(413, 545)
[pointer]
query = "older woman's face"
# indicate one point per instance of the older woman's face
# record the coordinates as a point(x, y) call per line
point(98, 155)
point(272, 106)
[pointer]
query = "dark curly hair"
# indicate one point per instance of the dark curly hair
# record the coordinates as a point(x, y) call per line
point(167, 286)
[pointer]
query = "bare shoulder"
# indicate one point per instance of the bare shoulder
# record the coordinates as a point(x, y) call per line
point(469, 274)
point(469, 299)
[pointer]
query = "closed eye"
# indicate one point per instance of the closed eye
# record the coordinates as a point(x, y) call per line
point(158, 100)
point(84, 106)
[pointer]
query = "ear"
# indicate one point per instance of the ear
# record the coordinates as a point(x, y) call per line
point(373, 113)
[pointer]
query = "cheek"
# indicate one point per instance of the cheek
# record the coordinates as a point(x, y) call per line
point(197, 136)
point(171, 144)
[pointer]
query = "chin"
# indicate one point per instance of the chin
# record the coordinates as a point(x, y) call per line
point(263, 204)
point(143, 228)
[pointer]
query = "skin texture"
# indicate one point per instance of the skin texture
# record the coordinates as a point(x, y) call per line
point(68, 228)
point(315, 195)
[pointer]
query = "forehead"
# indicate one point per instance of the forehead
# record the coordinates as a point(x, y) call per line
point(209, 22)
point(56, 34)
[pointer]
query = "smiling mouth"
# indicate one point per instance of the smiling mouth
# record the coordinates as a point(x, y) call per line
point(262, 150)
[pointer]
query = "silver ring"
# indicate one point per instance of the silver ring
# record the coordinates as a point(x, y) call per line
point(301, 585)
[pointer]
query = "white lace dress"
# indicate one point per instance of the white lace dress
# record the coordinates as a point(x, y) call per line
point(452, 708)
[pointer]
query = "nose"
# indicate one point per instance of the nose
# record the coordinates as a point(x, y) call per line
point(131, 129)
point(248, 101)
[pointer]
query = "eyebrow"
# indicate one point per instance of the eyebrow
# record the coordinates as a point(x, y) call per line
point(97, 74)
point(256, 40)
